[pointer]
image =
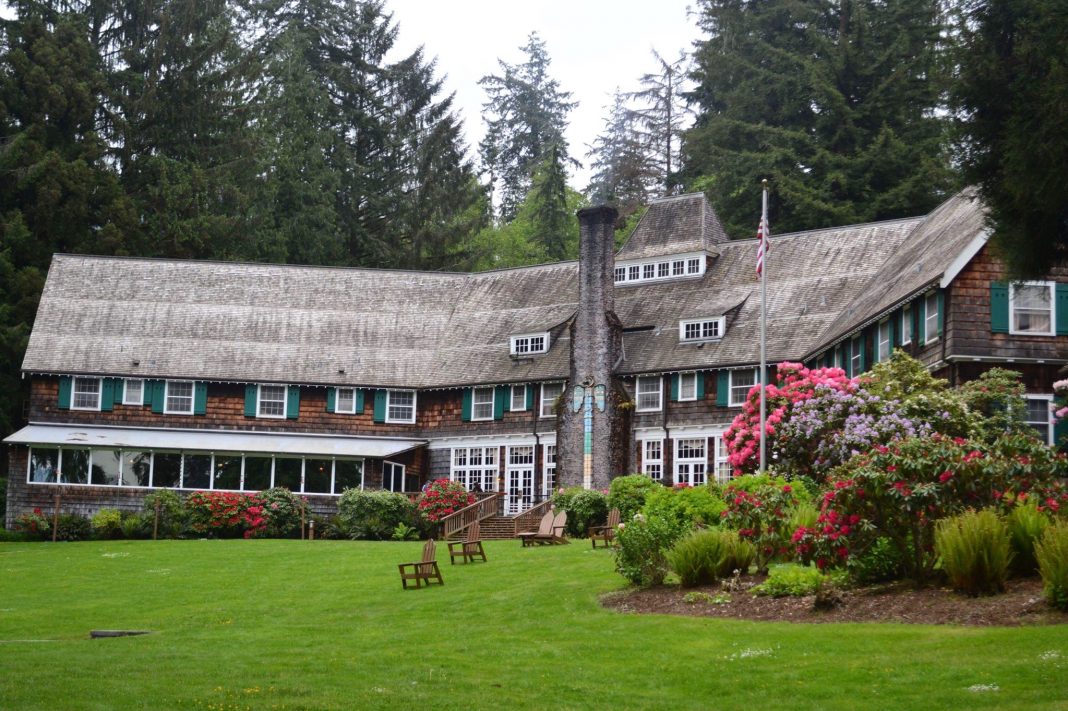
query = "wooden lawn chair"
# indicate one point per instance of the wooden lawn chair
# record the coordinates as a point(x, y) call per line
point(559, 527)
point(469, 548)
point(545, 529)
point(426, 569)
point(607, 532)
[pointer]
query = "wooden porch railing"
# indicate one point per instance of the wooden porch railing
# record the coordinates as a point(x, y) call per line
point(529, 519)
point(487, 506)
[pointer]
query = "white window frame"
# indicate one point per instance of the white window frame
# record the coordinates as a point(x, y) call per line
point(856, 356)
point(521, 390)
point(464, 469)
point(1048, 400)
point(709, 329)
point(260, 401)
point(692, 379)
point(1051, 287)
point(389, 406)
point(928, 300)
point(167, 410)
point(880, 356)
point(545, 403)
point(653, 466)
point(524, 344)
point(722, 464)
point(638, 392)
point(691, 463)
point(352, 401)
point(475, 403)
point(906, 325)
point(126, 399)
point(74, 393)
point(548, 469)
point(634, 272)
point(731, 386)
point(393, 469)
point(693, 266)
point(620, 275)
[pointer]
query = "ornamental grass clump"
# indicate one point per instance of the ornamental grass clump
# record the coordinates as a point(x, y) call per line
point(698, 557)
point(1026, 525)
point(1051, 552)
point(792, 580)
point(975, 551)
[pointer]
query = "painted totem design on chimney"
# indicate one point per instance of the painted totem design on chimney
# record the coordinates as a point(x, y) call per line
point(592, 432)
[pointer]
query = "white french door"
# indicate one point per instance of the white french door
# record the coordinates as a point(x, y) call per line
point(519, 480)
point(691, 461)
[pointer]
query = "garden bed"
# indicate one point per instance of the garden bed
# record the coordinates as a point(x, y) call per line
point(1021, 604)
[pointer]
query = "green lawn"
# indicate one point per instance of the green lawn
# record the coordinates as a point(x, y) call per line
point(302, 625)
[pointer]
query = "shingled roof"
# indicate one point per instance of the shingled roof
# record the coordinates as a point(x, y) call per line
point(674, 225)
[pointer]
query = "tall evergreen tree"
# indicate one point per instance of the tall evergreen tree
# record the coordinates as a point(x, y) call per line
point(1012, 95)
point(548, 197)
point(526, 113)
point(662, 114)
point(838, 103)
point(625, 170)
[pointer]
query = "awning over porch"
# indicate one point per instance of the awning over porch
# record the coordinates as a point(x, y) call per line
point(212, 441)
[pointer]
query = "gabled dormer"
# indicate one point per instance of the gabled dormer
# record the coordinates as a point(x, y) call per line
point(676, 238)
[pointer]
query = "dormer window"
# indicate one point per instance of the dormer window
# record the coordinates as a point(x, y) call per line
point(683, 265)
point(530, 344)
point(701, 329)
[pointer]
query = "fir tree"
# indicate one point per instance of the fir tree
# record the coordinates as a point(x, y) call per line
point(662, 115)
point(625, 171)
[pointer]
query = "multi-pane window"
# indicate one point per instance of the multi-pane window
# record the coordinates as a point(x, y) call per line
point(549, 393)
point(678, 267)
point(548, 479)
point(693, 266)
point(621, 274)
point(1031, 308)
point(653, 459)
point(482, 403)
point(652, 271)
point(271, 401)
point(648, 271)
point(1038, 416)
point(906, 324)
point(741, 382)
point(345, 401)
point(930, 323)
point(634, 273)
point(133, 391)
point(400, 406)
point(519, 479)
point(687, 386)
point(883, 352)
point(475, 468)
point(701, 329)
point(85, 394)
point(663, 270)
point(519, 398)
point(530, 343)
point(690, 461)
point(856, 359)
point(179, 398)
point(648, 392)
point(723, 465)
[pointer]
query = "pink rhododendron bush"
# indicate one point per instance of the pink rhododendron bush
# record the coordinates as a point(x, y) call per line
point(898, 491)
point(443, 497)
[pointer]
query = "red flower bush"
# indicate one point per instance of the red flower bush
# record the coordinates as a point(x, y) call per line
point(759, 508)
point(443, 497)
point(226, 514)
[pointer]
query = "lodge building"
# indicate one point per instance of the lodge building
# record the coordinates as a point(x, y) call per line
point(148, 373)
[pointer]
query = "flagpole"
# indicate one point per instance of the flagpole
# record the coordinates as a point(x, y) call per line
point(763, 325)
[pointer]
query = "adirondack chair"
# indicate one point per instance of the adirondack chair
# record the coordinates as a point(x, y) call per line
point(559, 527)
point(545, 528)
point(607, 532)
point(470, 547)
point(426, 569)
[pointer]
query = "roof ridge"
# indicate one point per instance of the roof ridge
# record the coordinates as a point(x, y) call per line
point(245, 263)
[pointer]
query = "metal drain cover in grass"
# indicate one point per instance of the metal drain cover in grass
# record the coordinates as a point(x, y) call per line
point(97, 634)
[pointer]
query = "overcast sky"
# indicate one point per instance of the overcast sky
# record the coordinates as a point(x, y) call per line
point(595, 46)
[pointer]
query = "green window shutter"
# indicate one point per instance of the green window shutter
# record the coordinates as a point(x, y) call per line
point(1061, 306)
point(156, 393)
point(674, 387)
point(380, 406)
point(200, 398)
point(941, 312)
point(107, 394)
point(465, 410)
point(723, 387)
point(530, 397)
point(359, 402)
point(292, 402)
point(700, 386)
point(251, 394)
point(120, 387)
point(999, 307)
point(501, 405)
point(65, 384)
point(331, 399)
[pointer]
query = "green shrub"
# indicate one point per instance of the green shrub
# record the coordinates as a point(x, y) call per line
point(686, 506)
point(880, 563)
point(282, 511)
point(740, 554)
point(1051, 551)
point(329, 528)
point(73, 527)
point(697, 557)
point(1026, 525)
point(628, 494)
point(584, 507)
point(975, 551)
point(107, 523)
point(643, 542)
point(172, 515)
point(374, 515)
point(792, 580)
point(139, 525)
point(803, 515)
point(7, 536)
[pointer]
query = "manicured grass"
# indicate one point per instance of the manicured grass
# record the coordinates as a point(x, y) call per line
point(325, 625)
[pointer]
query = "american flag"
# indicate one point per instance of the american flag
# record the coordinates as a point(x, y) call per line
point(762, 248)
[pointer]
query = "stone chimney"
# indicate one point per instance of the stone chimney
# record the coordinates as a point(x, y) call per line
point(596, 345)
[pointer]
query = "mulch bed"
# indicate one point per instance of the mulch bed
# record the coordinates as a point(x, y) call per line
point(1021, 604)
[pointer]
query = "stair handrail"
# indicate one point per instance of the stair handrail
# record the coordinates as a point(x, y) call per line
point(488, 505)
point(530, 518)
